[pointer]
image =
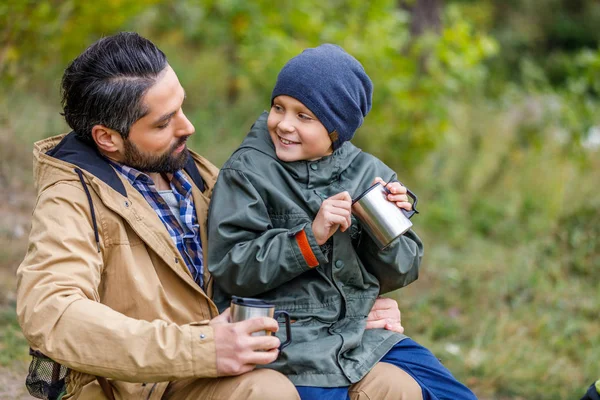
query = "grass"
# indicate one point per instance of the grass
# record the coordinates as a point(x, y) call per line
point(13, 346)
point(507, 296)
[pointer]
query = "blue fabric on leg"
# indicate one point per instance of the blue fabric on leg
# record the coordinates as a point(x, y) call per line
point(437, 383)
point(318, 393)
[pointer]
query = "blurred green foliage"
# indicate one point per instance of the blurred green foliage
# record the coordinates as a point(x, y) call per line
point(491, 116)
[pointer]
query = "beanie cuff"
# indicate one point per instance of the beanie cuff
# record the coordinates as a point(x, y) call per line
point(309, 104)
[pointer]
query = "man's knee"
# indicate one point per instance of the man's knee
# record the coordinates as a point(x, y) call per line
point(266, 384)
point(386, 381)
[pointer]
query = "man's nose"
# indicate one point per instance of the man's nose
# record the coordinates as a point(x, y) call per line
point(186, 127)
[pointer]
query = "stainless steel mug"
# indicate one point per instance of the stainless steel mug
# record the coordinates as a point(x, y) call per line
point(381, 218)
point(243, 308)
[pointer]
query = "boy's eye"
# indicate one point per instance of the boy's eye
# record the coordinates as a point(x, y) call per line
point(277, 107)
point(304, 116)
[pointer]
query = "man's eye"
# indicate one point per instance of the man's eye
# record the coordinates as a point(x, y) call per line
point(163, 126)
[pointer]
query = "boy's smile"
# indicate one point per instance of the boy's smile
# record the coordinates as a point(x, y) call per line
point(295, 131)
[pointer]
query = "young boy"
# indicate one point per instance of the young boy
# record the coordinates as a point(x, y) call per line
point(281, 229)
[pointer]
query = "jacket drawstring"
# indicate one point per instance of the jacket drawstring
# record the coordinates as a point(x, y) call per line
point(89, 197)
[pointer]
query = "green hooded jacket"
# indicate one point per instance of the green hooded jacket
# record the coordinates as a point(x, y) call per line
point(260, 209)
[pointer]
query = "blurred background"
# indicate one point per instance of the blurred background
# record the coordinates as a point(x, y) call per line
point(489, 110)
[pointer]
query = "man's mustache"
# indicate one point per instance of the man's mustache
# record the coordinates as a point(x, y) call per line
point(180, 141)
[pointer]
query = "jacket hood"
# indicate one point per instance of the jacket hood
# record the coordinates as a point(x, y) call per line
point(259, 139)
point(56, 159)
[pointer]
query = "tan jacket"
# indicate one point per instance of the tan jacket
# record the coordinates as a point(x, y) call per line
point(127, 307)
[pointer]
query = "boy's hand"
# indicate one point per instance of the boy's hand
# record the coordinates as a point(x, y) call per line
point(333, 214)
point(397, 195)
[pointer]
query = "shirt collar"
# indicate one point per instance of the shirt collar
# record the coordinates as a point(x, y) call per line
point(178, 180)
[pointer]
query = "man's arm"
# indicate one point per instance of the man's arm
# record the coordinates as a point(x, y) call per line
point(59, 309)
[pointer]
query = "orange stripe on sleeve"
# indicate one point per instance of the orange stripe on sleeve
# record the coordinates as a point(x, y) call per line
point(307, 252)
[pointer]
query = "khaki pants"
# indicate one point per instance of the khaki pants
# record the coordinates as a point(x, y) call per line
point(385, 381)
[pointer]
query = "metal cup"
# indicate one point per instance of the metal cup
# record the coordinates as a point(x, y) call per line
point(381, 218)
point(243, 308)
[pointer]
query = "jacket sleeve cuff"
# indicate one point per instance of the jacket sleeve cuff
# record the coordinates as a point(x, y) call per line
point(307, 246)
point(203, 350)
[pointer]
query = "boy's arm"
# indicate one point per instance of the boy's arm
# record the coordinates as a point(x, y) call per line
point(397, 265)
point(247, 255)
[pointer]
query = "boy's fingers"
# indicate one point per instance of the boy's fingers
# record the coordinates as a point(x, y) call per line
point(341, 196)
point(396, 188)
point(405, 205)
point(397, 197)
point(378, 179)
point(340, 220)
point(344, 212)
point(345, 204)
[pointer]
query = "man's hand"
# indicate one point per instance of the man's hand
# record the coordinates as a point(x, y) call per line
point(237, 351)
point(333, 214)
point(385, 314)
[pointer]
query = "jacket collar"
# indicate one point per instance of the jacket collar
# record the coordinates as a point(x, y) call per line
point(73, 150)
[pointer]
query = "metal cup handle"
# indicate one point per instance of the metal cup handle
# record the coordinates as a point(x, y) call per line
point(407, 214)
point(288, 328)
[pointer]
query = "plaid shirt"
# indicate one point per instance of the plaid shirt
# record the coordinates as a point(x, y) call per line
point(186, 237)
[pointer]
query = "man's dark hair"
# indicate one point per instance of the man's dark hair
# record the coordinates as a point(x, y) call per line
point(105, 84)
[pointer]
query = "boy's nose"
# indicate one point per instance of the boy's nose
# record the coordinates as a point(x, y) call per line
point(285, 125)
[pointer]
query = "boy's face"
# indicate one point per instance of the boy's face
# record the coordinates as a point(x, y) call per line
point(295, 131)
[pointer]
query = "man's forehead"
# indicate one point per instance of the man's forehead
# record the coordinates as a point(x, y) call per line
point(165, 96)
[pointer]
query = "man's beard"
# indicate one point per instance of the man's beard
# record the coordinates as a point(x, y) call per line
point(164, 163)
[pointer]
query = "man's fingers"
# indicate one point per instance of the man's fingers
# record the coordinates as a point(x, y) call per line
point(262, 357)
point(385, 303)
point(259, 324)
point(395, 327)
point(379, 324)
point(373, 315)
point(223, 318)
point(385, 324)
point(264, 343)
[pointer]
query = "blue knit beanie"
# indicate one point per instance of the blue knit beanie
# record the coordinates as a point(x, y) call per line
point(330, 83)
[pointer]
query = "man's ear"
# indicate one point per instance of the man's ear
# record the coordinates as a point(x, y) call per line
point(108, 140)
